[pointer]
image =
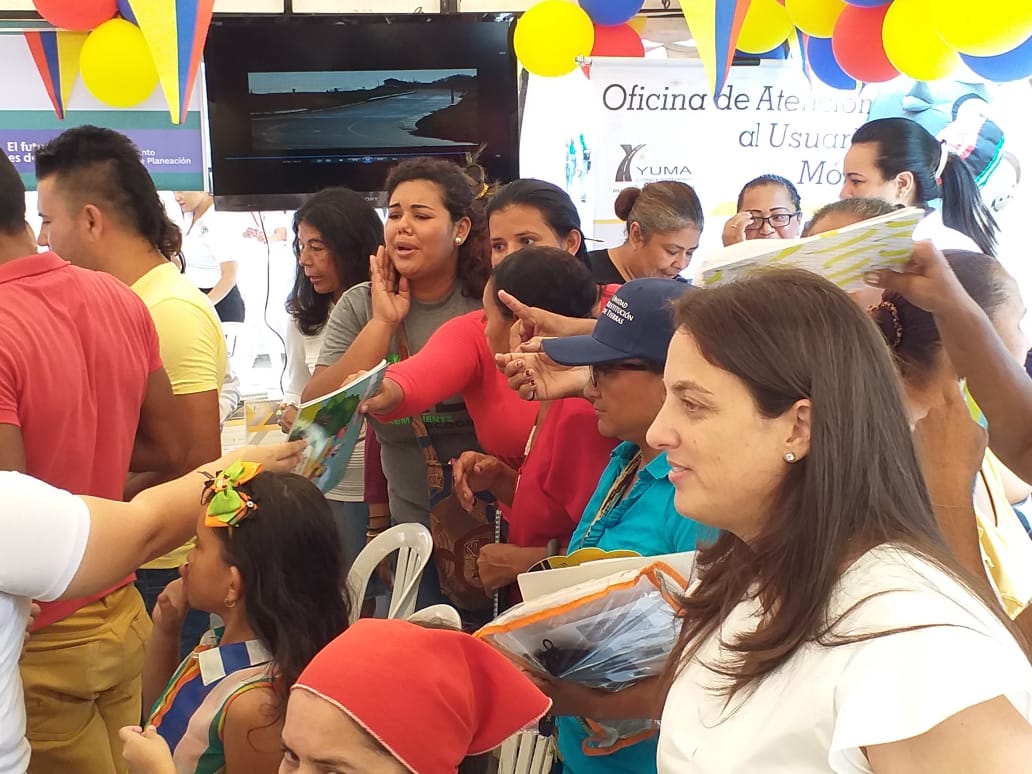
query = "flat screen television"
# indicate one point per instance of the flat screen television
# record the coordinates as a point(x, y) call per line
point(299, 103)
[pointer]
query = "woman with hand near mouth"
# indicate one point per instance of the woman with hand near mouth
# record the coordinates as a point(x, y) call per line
point(335, 232)
point(433, 268)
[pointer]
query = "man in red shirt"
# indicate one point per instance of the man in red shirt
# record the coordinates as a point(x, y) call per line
point(83, 400)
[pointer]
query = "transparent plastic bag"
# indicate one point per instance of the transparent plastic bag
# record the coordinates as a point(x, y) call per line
point(607, 633)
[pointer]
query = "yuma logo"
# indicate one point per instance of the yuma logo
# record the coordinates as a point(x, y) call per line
point(627, 171)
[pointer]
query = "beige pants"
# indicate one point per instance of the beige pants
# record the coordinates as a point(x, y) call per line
point(82, 683)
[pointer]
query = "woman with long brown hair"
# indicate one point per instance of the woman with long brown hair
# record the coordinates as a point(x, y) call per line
point(831, 628)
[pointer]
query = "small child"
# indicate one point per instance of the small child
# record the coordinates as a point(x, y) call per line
point(268, 562)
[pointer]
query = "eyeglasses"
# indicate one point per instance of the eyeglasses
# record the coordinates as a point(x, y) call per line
point(777, 220)
point(609, 368)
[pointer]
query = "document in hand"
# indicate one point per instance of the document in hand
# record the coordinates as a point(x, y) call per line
point(609, 632)
point(331, 425)
point(841, 256)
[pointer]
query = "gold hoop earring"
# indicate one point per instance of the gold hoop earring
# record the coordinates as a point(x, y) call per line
point(228, 603)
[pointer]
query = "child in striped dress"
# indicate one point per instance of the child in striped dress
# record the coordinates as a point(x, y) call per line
point(268, 562)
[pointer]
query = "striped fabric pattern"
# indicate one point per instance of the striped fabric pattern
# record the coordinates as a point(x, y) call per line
point(191, 712)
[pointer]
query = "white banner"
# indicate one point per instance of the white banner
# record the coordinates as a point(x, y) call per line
point(654, 120)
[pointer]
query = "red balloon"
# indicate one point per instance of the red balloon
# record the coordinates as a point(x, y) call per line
point(858, 47)
point(82, 15)
point(620, 40)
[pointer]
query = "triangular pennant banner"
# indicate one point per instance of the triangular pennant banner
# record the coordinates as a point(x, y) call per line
point(715, 26)
point(56, 55)
point(175, 31)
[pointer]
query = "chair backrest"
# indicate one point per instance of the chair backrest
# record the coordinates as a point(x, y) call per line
point(413, 544)
point(526, 753)
point(441, 616)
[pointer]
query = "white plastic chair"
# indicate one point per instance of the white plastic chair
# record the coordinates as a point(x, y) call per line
point(413, 544)
point(440, 616)
point(526, 753)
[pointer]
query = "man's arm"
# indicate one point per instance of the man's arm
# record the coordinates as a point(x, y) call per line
point(159, 446)
point(197, 419)
point(12, 449)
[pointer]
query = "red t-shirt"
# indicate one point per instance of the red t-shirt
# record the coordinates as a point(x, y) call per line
point(455, 360)
point(560, 474)
point(76, 350)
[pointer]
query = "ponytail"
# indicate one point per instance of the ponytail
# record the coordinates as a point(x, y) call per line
point(963, 208)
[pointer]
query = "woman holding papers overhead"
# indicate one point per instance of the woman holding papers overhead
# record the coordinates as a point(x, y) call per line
point(897, 160)
point(831, 629)
point(632, 508)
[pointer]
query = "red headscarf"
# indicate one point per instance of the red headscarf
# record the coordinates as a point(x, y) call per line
point(430, 696)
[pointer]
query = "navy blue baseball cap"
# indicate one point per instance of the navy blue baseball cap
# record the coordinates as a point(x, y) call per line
point(637, 322)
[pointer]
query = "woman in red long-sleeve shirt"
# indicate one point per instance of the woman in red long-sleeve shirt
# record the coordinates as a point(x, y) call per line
point(457, 359)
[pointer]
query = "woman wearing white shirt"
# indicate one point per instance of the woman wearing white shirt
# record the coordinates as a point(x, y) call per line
point(899, 161)
point(210, 263)
point(335, 233)
point(831, 630)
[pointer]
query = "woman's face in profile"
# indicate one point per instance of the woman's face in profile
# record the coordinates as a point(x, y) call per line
point(320, 738)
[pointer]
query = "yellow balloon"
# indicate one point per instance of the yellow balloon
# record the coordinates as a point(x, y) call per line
point(766, 25)
point(985, 28)
point(913, 46)
point(551, 35)
point(637, 23)
point(116, 64)
point(815, 17)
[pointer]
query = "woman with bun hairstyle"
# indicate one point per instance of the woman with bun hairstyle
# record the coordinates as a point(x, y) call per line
point(664, 221)
point(768, 207)
point(897, 160)
point(984, 532)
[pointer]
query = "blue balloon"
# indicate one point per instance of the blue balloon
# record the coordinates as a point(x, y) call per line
point(126, 11)
point(1012, 65)
point(609, 13)
point(825, 66)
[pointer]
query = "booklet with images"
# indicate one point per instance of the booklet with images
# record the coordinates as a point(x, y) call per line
point(331, 425)
point(841, 256)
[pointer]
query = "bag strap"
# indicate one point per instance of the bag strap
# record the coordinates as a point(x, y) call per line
point(426, 445)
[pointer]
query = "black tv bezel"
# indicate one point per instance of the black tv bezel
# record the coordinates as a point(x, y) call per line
point(244, 184)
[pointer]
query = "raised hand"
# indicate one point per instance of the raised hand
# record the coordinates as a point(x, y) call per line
point(535, 376)
point(533, 321)
point(926, 281)
point(390, 291)
point(734, 229)
point(385, 401)
point(280, 457)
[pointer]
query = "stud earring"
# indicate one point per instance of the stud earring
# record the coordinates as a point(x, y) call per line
point(458, 240)
point(789, 457)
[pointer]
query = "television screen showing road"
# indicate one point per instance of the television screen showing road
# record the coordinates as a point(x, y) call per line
point(363, 109)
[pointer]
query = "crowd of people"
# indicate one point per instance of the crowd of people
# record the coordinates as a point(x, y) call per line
point(846, 467)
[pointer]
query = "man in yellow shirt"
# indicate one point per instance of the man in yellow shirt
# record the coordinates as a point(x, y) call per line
point(101, 211)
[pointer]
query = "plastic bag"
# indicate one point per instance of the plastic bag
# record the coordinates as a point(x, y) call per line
point(607, 633)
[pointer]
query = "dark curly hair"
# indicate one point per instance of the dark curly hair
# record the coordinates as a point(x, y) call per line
point(289, 557)
point(352, 231)
point(102, 166)
point(464, 193)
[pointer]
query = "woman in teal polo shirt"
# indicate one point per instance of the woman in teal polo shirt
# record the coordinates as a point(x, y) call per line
point(633, 506)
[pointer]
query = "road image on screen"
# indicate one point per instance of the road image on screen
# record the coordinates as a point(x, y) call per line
point(360, 109)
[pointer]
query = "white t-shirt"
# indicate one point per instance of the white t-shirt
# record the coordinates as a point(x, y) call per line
point(302, 355)
point(44, 532)
point(942, 236)
point(815, 713)
point(206, 246)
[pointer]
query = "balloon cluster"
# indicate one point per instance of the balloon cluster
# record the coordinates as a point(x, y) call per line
point(552, 35)
point(115, 61)
point(845, 41)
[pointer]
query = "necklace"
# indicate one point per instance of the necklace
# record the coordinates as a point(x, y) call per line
point(616, 492)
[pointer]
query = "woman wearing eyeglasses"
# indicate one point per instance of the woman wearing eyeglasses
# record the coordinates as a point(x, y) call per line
point(768, 208)
point(632, 507)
